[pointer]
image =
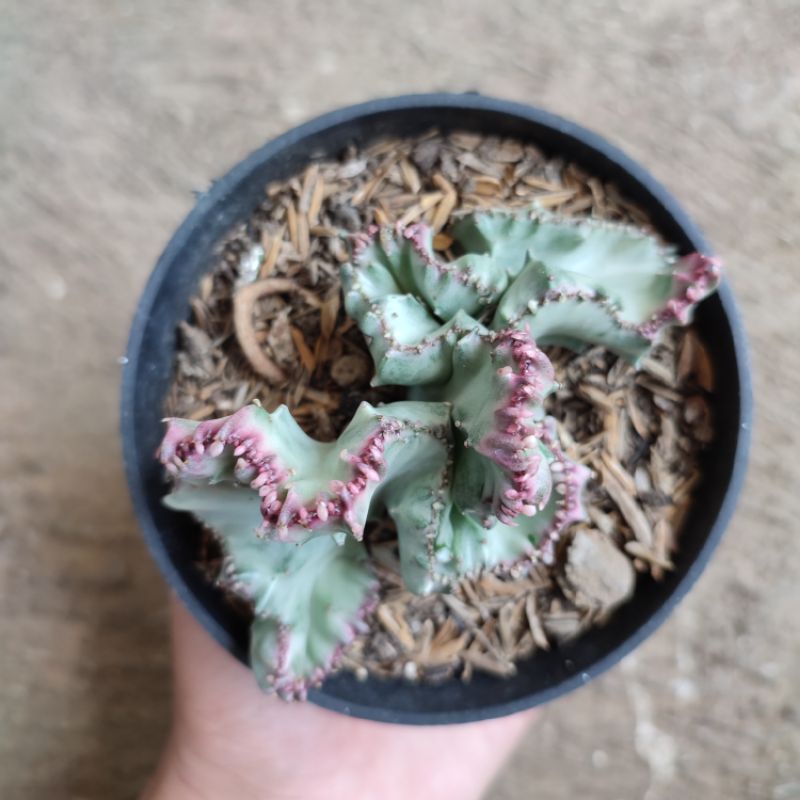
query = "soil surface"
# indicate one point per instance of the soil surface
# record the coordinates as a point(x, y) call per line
point(114, 114)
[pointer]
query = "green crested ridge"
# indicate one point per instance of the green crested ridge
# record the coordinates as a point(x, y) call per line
point(469, 468)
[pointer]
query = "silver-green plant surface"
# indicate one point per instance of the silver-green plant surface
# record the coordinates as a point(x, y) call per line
point(571, 281)
point(465, 332)
point(290, 513)
point(469, 468)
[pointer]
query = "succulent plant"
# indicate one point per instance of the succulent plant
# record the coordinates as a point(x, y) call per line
point(572, 281)
point(469, 468)
point(290, 513)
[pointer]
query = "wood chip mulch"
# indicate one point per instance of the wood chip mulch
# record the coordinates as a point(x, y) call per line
point(267, 324)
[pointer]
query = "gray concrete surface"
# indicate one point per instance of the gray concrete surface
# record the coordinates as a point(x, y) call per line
point(112, 112)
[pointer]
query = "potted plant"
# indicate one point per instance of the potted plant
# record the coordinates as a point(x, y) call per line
point(396, 474)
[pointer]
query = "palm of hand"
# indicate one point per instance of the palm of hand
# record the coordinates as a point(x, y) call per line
point(231, 741)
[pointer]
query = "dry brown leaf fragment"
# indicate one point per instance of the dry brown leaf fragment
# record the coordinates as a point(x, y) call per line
point(202, 412)
point(492, 586)
point(663, 538)
point(308, 186)
point(620, 441)
point(447, 650)
point(291, 219)
point(642, 479)
point(465, 140)
point(663, 475)
point(426, 201)
point(394, 623)
point(442, 241)
point(658, 389)
point(423, 640)
point(296, 394)
point(473, 202)
point(278, 338)
point(685, 487)
point(272, 247)
point(200, 312)
point(385, 147)
point(667, 441)
point(697, 416)
point(535, 182)
point(470, 618)
point(365, 193)
point(661, 372)
point(641, 424)
point(315, 205)
point(525, 646)
point(209, 389)
point(396, 201)
point(206, 287)
point(604, 522)
point(694, 361)
point(303, 350)
point(443, 211)
point(410, 176)
point(535, 623)
point(628, 506)
point(638, 550)
point(352, 168)
point(440, 182)
point(447, 632)
point(380, 216)
point(490, 663)
point(328, 314)
point(598, 193)
point(507, 151)
point(562, 626)
point(303, 238)
point(479, 166)
point(471, 595)
point(487, 186)
point(197, 344)
point(553, 199)
point(598, 397)
point(619, 376)
point(576, 206)
point(677, 516)
point(509, 618)
point(325, 399)
point(622, 476)
point(345, 326)
point(323, 231)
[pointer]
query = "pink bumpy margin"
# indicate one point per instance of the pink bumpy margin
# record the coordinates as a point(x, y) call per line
point(696, 276)
point(185, 449)
point(514, 444)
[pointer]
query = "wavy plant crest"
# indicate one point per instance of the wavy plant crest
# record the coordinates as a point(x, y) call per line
point(469, 468)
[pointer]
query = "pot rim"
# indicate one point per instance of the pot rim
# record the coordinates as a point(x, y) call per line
point(227, 185)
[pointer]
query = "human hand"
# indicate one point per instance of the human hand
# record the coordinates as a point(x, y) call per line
point(229, 740)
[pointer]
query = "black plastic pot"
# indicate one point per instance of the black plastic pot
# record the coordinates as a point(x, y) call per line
point(172, 537)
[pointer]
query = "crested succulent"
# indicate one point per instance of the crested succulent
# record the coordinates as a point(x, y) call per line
point(290, 513)
point(469, 468)
point(571, 281)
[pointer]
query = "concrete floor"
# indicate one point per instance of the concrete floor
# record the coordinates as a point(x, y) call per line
point(112, 113)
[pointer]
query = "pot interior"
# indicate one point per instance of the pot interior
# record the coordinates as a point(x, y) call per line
point(173, 537)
